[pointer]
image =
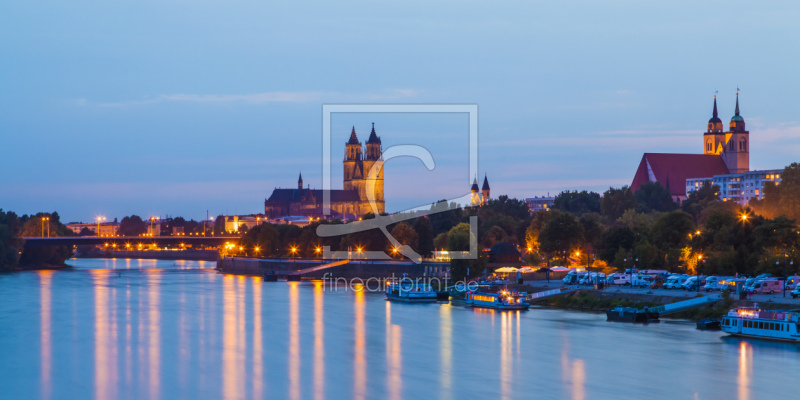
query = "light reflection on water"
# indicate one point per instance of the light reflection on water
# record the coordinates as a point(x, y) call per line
point(137, 329)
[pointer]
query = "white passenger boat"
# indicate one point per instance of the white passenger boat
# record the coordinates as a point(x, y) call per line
point(410, 291)
point(501, 300)
point(757, 323)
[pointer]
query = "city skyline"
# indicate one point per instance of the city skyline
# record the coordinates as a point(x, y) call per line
point(162, 128)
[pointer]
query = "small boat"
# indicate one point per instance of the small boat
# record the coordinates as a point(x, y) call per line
point(410, 291)
point(501, 300)
point(708, 324)
point(753, 322)
point(630, 314)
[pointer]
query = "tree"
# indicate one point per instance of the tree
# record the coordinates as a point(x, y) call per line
point(593, 228)
point(783, 199)
point(406, 235)
point(132, 226)
point(701, 199)
point(651, 196)
point(493, 236)
point(616, 201)
point(44, 256)
point(86, 232)
point(540, 219)
point(425, 237)
point(613, 240)
point(458, 239)
point(672, 230)
point(561, 235)
point(577, 203)
point(10, 242)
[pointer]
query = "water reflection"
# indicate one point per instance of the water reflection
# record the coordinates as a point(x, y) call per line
point(102, 384)
point(359, 352)
point(154, 332)
point(319, 344)
point(394, 362)
point(745, 365)
point(294, 341)
point(231, 385)
point(446, 350)
point(45, 298)
point(258, 342)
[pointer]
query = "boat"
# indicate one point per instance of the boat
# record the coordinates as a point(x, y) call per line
point(410, 291)
point(502, 300)
point(709, 324)
point(631, 314)
point(754, 322)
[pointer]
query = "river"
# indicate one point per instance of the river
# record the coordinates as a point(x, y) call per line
point(145, 329)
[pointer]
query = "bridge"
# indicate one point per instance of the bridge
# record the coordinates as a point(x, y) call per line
point(121, 241)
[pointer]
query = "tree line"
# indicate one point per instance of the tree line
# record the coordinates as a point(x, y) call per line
point(13, 228)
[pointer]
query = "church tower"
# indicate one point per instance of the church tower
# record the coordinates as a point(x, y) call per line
point(374, 178)
point(714, 137)
point(300, 182)
point(353, 169)
point(737, 152)
point(474, 195)
point(485, 190)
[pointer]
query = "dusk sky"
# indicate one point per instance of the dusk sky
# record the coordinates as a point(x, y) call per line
point(178, 107)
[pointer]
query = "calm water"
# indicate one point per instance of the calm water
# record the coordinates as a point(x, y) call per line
point(137, 329)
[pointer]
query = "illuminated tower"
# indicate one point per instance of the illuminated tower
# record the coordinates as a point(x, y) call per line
point(353, 169)
point(714, 137)
point(475, 196)
point(373, 177)
point(737, 152)
point(485, 190)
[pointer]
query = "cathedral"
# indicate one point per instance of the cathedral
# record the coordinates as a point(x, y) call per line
point(724, 153)
point(363, 171)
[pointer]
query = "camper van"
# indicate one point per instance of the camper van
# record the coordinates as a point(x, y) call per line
point(769, 285)
point(619, 279)
point(642, 280)
point(675, 281)
point(715, 283)
point(791, 282)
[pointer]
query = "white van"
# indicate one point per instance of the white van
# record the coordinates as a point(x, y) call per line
point(769, 285)
point(715, 283)
point(642, 280)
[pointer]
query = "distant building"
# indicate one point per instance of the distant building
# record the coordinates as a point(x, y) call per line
point(739, 188)
point(347, 203)
point(479, 198)
point(539, 203)
point(724, 153)
point(106, 228)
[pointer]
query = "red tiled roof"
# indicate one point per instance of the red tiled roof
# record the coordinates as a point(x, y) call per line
point(672, 170)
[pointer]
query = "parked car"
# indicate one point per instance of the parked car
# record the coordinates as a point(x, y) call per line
point(796, 292)
point(658, 282)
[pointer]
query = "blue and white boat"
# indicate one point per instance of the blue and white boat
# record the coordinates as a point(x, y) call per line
point(753, 322)
point(501, 300)
point(410, 291)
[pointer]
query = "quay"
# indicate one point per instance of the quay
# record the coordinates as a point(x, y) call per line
point(297, 268)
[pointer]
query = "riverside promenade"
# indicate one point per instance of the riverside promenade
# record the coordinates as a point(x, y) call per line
point(320, 268)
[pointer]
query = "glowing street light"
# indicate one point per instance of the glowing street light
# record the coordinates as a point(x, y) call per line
point(48, 226)
point(99, 218)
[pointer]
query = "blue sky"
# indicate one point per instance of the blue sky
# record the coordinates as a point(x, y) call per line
point(178, 107)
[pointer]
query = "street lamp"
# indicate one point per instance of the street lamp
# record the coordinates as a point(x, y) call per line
point(48, 226)
point(99, 218)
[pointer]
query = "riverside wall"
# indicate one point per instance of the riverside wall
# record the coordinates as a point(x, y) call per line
point(363, 269)
point(205, 255)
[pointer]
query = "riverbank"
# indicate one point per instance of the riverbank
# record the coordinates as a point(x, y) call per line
point(601, 300)
point(192, 255)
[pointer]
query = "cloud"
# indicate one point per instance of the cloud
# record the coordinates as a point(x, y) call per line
point(256, 98)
